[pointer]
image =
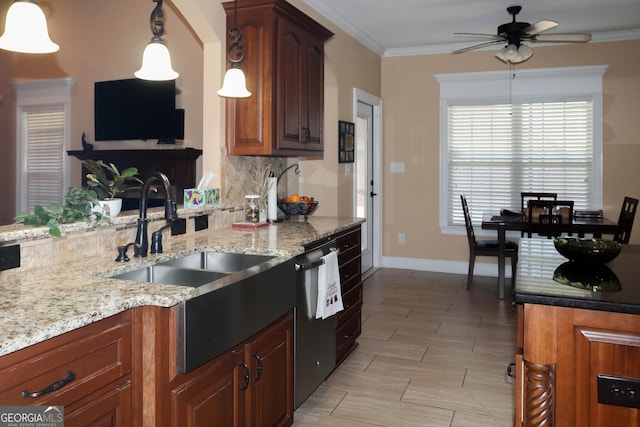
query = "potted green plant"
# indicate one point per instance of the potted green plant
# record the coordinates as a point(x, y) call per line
point(108, 182)
point(78, 206)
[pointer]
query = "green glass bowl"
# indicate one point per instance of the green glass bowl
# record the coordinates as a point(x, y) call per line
point(583, 250)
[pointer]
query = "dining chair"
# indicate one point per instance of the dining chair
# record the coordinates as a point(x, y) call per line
point(551, 214)
point(625, 220)
point(486, 247)
point(525, 196)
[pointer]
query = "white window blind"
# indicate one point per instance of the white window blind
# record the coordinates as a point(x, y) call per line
point(505, 132)
point(44, 137)
point(497, 151)
point(43, 112)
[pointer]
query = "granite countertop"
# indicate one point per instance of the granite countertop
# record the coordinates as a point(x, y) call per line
point(539, 261)
point(38, 305)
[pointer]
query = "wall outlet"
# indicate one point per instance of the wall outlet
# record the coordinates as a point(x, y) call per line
point(179, 226)
point(201, 222)
point(402, 238)
point(9, 257)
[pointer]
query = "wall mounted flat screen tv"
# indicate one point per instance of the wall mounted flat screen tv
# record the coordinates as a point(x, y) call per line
point(136, 109)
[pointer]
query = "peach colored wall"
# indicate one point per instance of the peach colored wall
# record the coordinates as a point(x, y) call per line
point(411, 135)
point(348, 65)
point(99, 40)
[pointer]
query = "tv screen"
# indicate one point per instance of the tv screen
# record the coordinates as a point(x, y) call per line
point(136, 109)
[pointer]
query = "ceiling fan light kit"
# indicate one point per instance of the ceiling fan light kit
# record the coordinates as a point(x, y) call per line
point(515, 34)
point(512, 54)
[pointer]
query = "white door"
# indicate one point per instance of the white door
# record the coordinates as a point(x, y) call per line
point(367, 183)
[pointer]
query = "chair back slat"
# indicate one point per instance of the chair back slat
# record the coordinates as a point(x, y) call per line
point(625, 220)
point(471, 236)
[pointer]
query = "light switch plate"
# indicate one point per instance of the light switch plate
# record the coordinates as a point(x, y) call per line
point(397, 167)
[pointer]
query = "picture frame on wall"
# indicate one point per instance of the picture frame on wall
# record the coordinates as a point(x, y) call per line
point(346, 142)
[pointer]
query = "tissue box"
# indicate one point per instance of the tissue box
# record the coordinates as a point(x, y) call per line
point(198, 197)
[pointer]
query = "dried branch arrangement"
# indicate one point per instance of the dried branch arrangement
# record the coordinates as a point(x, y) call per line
point(259, 180)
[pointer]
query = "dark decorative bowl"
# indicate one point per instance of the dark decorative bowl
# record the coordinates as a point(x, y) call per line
point(298, 208)
point(592, 251)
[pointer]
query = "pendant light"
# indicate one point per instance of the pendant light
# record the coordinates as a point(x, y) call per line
point(235, 83)
point(26, 30)
point(156, 61)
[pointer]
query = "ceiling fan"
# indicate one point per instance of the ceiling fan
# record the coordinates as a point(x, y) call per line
point(515, 34)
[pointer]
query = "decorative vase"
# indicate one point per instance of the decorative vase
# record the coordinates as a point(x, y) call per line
point(109, 207)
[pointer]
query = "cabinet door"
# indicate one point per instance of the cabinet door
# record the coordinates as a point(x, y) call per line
point(112, 409)
point(215, 396)
point(289, 59)
point(315, 93)
point(270, 357)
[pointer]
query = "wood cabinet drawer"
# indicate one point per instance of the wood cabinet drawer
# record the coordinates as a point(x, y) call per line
point(97, 354)
point(352, 302)
point(348, 246)
point(350, 275)
point(346, 335)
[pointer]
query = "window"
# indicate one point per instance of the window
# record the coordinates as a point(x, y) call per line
point(43, 122)
point(539, 131)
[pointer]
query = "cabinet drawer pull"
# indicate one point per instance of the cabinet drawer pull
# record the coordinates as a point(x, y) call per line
point(246, 377)
point(258, 368)
point(50, 388)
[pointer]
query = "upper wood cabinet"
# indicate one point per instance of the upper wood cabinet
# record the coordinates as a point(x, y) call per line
point(284, 66)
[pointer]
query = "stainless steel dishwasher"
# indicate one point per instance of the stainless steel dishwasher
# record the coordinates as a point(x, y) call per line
point(315, 345)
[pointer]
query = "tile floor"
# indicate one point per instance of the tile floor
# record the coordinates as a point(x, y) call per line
point(431, 353)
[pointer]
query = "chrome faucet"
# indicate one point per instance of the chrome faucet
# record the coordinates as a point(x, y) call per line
point(141, 244)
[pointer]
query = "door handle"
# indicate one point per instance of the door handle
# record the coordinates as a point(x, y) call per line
point(373, 194)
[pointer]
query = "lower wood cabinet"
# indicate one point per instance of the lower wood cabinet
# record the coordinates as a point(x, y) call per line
point(349, 321)
point(249, 385)
point(562, 352)
point(88, 371)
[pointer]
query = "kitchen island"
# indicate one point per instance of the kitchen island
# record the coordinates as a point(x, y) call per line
point(578, 346)
point(121, 335)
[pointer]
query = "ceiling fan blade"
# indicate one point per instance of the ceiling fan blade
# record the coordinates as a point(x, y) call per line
point(477, 46)
point(540, 27)
point(561, 38)
point(481, 35)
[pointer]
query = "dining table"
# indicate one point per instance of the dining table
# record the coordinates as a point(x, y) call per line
point(582, 226)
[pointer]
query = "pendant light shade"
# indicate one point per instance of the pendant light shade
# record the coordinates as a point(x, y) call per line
point(156, 63)
point(156, 60)
point(26, 30)
point(235, 83)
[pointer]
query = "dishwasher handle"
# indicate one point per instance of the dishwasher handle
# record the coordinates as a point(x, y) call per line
point(312, 264)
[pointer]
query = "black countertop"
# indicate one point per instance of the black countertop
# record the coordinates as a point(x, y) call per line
point(538, 262)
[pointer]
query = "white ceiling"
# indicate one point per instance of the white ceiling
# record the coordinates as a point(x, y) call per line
point(416, 27)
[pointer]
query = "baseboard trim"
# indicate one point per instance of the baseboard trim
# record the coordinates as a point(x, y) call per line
point(440, 266)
